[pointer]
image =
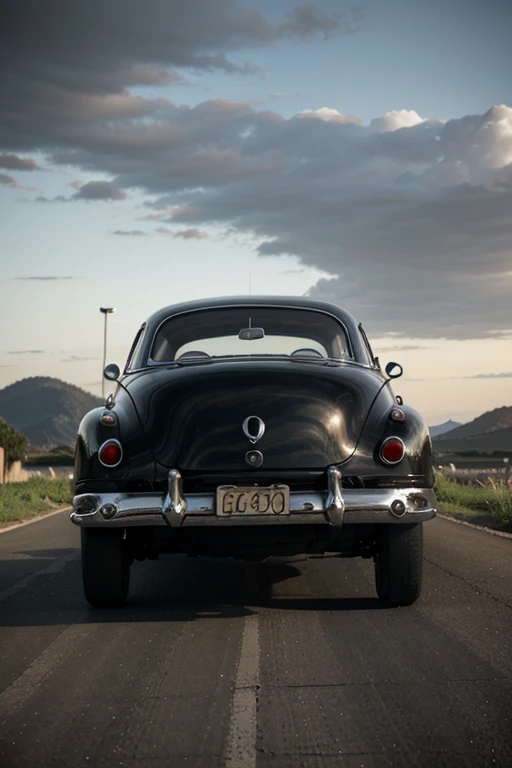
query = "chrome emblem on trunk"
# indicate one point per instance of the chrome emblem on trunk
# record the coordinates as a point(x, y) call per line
point(254, 428)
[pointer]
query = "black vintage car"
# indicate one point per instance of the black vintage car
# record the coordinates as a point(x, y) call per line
point(250, 427)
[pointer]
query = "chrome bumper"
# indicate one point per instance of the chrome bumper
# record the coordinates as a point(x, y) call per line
point(336, 507)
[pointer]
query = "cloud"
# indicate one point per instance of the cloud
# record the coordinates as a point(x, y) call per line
point(505, 375)
point(399, 350)
point(191, 234)
point(306, 21)
point(77, 359)
point(8, 181)
point(130, 232)
point(64, 71)
point(401, 219)
point(164, 231)
point(329, 115)
point(410, 217)
point(91, 191)
point(99, 190)
point(506, 332)
point(393, 121)
point(27, 352)
point(15, 163)
point(47, 277)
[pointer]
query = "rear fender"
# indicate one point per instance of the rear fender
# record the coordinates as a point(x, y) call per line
point(137, 466)
point(380, 425)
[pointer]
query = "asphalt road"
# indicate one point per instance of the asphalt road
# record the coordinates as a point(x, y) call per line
point(287, 664)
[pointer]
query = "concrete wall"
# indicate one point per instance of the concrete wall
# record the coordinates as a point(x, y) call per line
point(15, 473)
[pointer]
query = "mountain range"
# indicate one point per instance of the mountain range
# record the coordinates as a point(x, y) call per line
point(492, 431)
point(442, 429)
point(47, 410)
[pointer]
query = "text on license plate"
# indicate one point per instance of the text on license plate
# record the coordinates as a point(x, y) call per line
point(238, 500)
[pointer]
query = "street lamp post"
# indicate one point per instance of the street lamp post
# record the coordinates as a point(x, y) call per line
point(106, 311)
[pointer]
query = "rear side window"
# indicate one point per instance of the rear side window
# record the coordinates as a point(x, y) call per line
point(367, 344)
point(137, 342)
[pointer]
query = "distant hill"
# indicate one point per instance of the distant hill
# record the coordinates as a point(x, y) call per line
point(491, 421)
point(498, 440)
point(47, 410)
point(442, 429)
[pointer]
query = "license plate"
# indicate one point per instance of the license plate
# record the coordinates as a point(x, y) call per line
point(234, 500)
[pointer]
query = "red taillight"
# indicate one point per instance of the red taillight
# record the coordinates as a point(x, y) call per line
point(392, 450)
point(110, 453)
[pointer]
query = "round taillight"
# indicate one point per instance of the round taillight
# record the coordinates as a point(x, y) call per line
point(110, 453)
point(392, 450)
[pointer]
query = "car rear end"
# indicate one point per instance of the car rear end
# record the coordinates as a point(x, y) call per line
point(256, 455)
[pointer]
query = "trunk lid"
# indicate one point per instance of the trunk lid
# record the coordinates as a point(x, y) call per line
point(313, 414)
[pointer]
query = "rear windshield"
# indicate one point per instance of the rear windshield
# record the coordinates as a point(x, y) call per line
point(250, 332)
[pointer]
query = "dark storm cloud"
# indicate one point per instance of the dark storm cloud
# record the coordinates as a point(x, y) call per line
point(428, 255)
point(63, 62)
point(99, 190)
point(90, 191)
point(409, 219)
point(15, 163)
point(405, 216)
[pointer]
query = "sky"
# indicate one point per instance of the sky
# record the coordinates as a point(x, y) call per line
point(156, 152)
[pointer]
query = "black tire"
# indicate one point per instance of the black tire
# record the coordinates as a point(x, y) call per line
point(399, 563)
point(105, 567)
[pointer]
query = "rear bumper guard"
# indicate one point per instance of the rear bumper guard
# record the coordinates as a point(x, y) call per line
point(337, 506)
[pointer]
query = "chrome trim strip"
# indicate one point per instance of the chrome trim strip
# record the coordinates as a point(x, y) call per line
point(334, 504)
point(338, 506)
point(175, 504)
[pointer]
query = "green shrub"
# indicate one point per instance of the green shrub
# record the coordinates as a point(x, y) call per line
point(494, 497)
point(39, 494)
point(13, 442)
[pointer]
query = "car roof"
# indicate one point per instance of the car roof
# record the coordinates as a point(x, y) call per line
point(298, 302)
point(241, 301)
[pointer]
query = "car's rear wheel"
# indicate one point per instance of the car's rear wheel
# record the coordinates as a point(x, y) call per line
point(105, 567)
point(399, 563)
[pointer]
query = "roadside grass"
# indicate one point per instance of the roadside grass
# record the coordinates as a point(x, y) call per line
point(20, 501)
point(491, 500)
